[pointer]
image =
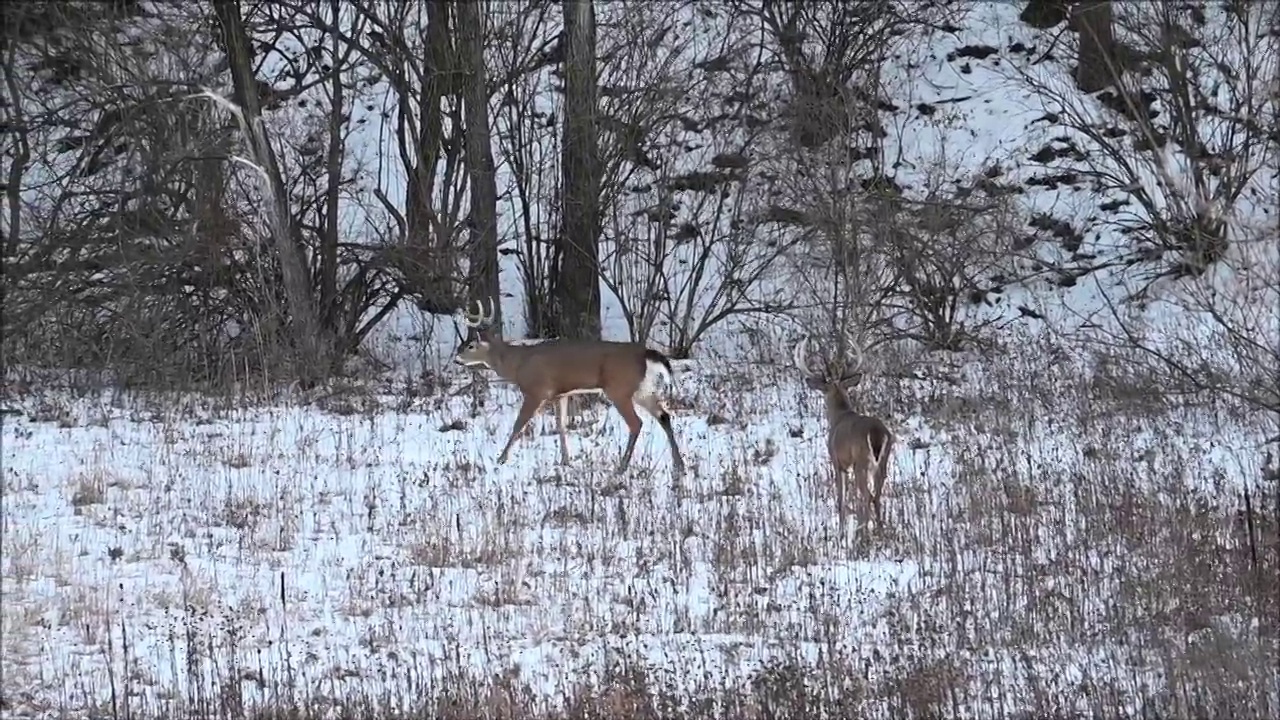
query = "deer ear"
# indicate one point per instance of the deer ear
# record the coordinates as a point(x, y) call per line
point(815, 383)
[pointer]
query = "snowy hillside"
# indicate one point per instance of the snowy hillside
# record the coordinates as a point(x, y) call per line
point(982, 107)
point(1062, 538)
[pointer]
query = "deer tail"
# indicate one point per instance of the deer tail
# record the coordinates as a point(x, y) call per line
point(877, 442)
point(657, 364)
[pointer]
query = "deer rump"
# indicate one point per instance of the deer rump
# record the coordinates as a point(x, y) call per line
point(877, 443)
point(616, 369)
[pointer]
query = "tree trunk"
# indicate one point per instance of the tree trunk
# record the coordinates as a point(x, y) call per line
point(19, 153)
point(482, 275)
point(577, 285)
point(330, 310)
point(431, 256)
point(1044, 14)
point(310, 349)
point(1096, 65)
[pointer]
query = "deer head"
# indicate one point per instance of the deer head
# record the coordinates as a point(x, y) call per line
point(828, 376)
point(481, 337)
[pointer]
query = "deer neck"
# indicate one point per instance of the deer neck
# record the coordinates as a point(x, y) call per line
point(838, 403)
point(500, 357)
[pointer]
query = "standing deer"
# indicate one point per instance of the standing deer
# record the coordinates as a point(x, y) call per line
point(855, 442)
point(626, 373)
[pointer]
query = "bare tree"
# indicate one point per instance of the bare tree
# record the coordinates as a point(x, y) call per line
point(1217, 335)
point(847, 262)
point(577, 287)
point(425, 75)
point(1183, 142)
point(1180, 137)
point(832, 177)
point(113, 252)
point(686, 244)
point(945, 249)
point(312, 345)
point(16, 135)
point(525, 48)
point(558, 248)
point(1095, 54)
point(155, 241)
point(674, 249)
point(483, 219)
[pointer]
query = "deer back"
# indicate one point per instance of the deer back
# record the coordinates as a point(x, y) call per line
point(850, 434)
point(557, 367)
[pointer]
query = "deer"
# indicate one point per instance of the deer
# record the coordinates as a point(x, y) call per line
point(857, 444)
point(626, 373)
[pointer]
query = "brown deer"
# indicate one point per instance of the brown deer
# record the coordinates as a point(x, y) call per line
point(625, 373)
point(856, 443)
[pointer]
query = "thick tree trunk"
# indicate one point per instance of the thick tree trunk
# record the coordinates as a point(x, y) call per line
point(1096, 66)
point(311, 349)
point(1044, 14)
point(482, 276)
point(577, 287)
point(20, 148)
point(330, 310)
point(430, 256)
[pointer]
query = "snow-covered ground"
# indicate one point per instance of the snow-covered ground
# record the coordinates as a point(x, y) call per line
point(1058, 538)
point(368, 542)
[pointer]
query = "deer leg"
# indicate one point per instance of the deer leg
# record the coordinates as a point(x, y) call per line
point(859, 473)
point(873, 492)
point(882, 471)
point(562, 408)
point(654, 408)
point(842, 503)
point(628, 411)
point(528, 409)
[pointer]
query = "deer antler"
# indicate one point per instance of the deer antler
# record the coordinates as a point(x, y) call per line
point(858, 369)
point(858, 357)
point(479, 319)
point(802, 360)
